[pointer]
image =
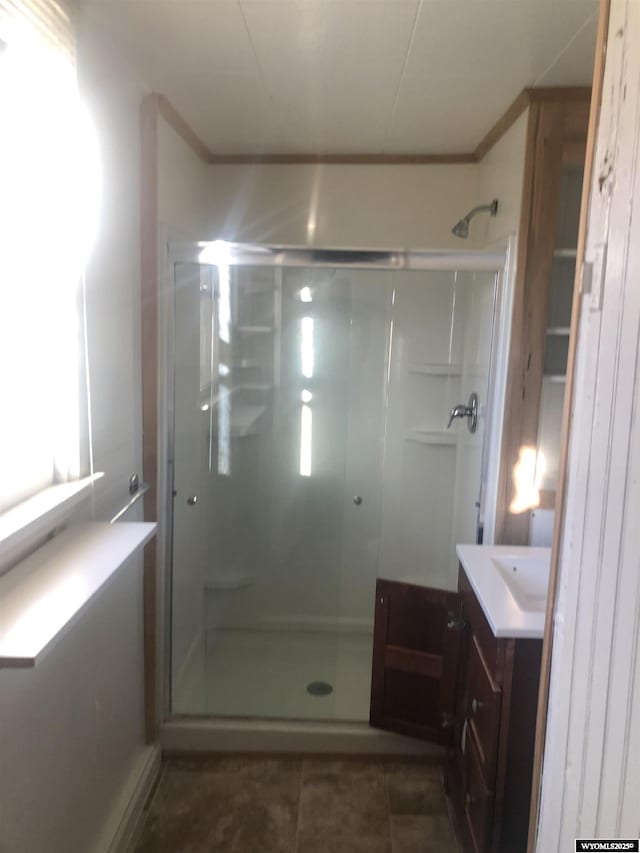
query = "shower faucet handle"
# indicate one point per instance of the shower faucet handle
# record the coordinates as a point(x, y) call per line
point(470, 412)
point(459, 411)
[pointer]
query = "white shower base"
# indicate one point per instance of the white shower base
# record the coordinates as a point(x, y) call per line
point(246, 691)
point(265, 674)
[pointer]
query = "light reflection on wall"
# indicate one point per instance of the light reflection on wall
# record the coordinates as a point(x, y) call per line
point(528, 474)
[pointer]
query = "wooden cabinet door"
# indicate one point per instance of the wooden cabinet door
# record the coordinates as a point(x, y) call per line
point(418, 646)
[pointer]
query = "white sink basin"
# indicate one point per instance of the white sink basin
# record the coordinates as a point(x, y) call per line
point(511, 585)
point(527, 579)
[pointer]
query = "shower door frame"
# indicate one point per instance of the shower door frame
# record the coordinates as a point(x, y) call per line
point(498, 260)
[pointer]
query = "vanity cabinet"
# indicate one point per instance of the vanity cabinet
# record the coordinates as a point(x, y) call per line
point(440, 674)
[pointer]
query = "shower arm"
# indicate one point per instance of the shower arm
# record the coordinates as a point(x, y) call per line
point(492, 208)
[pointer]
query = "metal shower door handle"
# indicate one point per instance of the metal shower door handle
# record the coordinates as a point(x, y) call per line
point(470, 412)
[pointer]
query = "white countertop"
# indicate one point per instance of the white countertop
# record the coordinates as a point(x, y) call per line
point(42, 596)
point(503, 613)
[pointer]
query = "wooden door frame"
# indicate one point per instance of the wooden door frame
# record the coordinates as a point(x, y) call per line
point(560, 502)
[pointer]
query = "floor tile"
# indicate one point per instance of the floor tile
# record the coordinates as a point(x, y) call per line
point(415, 789)
point(422, 834)
point(344, 845)
point(342, 799)
point(225, 806)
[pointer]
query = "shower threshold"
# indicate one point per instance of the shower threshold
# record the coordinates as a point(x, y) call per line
point(198, 734)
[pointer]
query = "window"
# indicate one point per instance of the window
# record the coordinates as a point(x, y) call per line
point(48, 201)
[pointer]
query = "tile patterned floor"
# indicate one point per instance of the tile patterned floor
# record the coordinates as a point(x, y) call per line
point(256, 805)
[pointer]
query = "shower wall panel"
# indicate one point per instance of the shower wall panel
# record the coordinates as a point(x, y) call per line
point(440, 347)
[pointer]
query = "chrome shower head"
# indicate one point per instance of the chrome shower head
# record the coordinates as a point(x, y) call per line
point(461, 228)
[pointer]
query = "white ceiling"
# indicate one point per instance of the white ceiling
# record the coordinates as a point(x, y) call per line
point(349, 76)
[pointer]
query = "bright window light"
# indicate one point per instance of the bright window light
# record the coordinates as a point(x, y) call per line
point(306, 396)
point(305, 294)
point(49, 199)
point(306, 347)
point(306, 419)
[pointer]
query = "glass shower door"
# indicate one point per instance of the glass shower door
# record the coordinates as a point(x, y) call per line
point(272, 402)
point(312, 457)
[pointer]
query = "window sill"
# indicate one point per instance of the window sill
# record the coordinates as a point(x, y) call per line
point(22, 525)
point(43, 595)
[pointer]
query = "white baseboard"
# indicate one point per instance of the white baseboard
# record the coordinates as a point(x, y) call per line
point(124, 825)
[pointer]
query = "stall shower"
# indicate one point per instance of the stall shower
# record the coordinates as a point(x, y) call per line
point(311, 392)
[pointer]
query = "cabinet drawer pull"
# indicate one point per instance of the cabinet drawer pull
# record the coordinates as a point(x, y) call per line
point(476, 706)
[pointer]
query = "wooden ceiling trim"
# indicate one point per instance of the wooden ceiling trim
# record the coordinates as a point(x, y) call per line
point(556, 94)
point(183, 128)
point(342, 159)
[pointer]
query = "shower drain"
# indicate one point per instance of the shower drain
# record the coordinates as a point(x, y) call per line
point(319, 688)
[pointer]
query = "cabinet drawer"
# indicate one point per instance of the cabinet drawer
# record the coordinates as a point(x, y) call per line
point(478, 800)
point(483, 705)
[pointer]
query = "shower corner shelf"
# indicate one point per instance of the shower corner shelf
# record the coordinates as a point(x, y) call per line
point(257, 329)
point(229, 581)
point(436, 369)
point(437, 437)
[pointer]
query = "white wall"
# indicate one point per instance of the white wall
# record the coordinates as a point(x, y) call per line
point(113, 274)
point(500, 174)
point(71, 730)
point(401, 206)
point(183, 189)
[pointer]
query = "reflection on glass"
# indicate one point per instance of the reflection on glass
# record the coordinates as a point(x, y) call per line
point(306, 347)
point(224, 304)
point(305, 294)
point(224, 431)
point(306, 418)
